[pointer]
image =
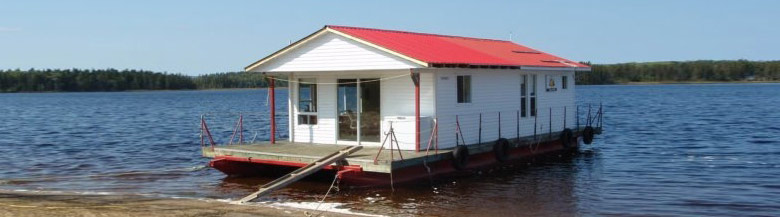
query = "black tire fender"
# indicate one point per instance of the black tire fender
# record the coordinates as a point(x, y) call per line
point(501, 150)
point(566, 136)
point(587, 135)
point(460, 157)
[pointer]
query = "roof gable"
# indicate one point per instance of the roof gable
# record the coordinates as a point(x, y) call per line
point(328, 51)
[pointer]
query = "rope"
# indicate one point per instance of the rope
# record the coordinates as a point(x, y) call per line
point(337, 83)
point(533, 150)
point(335, 178)
point(392, 187)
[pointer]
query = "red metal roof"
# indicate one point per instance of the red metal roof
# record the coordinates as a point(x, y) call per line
point(443, 49)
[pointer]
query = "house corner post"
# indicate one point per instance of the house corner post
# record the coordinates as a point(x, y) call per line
point(272, 108)
point(416, 80)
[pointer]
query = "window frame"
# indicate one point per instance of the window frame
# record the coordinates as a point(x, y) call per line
point(307, 117)
point(564, 82)
point(464, 90)
point(523, 96)
point(533, 93)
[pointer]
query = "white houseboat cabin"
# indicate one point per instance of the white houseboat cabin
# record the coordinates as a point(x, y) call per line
point(349, 85)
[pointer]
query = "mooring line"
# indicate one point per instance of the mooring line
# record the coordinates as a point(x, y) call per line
point(323, 198)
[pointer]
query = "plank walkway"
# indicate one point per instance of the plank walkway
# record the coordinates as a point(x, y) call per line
point(300, 173)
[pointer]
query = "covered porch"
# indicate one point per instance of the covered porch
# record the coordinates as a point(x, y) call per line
point(359, 107)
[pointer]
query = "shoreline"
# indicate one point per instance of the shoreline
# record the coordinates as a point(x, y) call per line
point(684, 82)
point(32, 203)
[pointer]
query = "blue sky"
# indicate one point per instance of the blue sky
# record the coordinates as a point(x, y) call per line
point(197, 37)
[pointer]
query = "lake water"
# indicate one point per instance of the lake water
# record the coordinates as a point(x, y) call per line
point(700, 150)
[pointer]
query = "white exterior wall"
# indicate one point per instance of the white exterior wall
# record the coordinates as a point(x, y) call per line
point(397, 99)
point(331, 52)
point(494, 91)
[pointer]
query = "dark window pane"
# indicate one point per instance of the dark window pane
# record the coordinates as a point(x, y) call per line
point(307, 95)
point(467, 88)
point(524, 86)
point(464, 89)
point(523, 108)
point(302, 120)
point(307, 119)
point(564, 82)
point(460, 89)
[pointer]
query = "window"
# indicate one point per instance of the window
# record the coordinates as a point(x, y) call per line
point(523, 95)
point(533, 95)
point(464, 89)
point(564, 82)
point(307, 101)
point(307, 119)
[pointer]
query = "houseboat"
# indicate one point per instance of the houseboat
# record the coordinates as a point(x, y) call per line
point(417, 105)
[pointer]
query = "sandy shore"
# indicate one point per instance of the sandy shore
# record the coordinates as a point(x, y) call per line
point(19, 204)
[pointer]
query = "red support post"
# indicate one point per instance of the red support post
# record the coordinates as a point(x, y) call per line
point(272, 99)
point(208, 133)
point(416, 80)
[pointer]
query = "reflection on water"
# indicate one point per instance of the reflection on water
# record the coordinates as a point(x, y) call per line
point(701, 150)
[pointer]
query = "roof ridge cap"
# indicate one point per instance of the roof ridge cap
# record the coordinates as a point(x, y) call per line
point(416, 33)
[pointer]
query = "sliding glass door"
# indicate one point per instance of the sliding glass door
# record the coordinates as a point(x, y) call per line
point(358, 110)
point(347, 109)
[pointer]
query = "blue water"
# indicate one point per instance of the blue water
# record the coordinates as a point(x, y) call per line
point(692, 150)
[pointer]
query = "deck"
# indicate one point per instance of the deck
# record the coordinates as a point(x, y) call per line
point(308, 153)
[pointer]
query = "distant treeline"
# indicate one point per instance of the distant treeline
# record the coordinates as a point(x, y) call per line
point(41, 80)
point(688, 71)
point(232, 80)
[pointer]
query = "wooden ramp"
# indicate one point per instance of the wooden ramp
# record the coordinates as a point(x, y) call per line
point(300, 173)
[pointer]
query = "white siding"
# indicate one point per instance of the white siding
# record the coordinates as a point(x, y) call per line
point(397, 99)
point(497, 91)
point(331, 52)
point(325, 129)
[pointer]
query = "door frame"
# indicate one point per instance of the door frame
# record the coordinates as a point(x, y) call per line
point(358, 112)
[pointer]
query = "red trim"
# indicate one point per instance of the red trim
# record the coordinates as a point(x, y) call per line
point(349, 169)
point(356, 168)
point(272, 98)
